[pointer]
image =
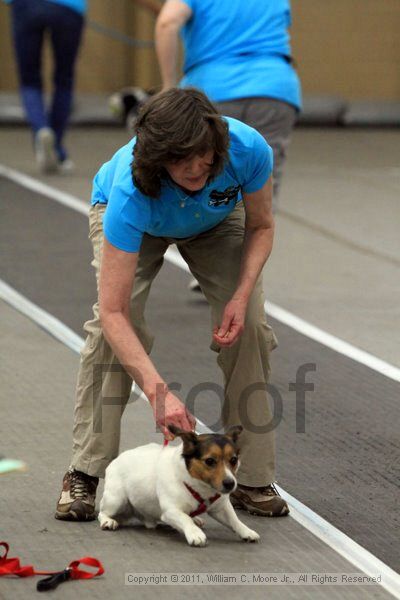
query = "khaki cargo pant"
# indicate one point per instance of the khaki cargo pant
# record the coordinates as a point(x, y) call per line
point(103, 387)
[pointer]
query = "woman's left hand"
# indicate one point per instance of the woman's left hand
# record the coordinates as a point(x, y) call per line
point(232, 325)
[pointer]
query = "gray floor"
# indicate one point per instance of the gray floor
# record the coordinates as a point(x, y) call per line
point(336, 262)
point(345, 466)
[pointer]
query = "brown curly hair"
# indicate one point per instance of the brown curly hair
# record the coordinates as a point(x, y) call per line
point(173, 125)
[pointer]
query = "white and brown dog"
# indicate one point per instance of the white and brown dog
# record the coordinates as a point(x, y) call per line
point(175, 484)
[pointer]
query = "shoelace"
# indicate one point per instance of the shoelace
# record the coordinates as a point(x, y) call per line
point(79, 486)
point(269, 490)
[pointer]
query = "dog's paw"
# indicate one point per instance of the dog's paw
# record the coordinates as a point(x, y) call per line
point(149, 524)
point(108, 523)
point(199, 521)
point(196, 537)
point(249, 535)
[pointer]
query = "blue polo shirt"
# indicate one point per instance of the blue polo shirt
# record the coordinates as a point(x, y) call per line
point(239, 49)
point(174, 214)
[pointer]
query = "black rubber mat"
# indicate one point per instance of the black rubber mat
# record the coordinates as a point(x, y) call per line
point(339, 456)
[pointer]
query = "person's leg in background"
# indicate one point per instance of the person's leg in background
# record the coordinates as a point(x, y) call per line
point(274, 120)
point(28, 27)
point(66, 26)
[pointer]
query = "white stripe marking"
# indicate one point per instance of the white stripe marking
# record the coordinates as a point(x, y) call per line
point(311, 331)
point(46, 321)
point(46, 190)
point(333, 342)
point(41, 317)
point(322, 529)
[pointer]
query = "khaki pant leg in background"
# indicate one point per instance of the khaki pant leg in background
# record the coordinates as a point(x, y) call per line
point(214, 259)
point(103, 386)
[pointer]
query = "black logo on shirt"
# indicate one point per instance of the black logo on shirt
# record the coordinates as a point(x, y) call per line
point(223, 198)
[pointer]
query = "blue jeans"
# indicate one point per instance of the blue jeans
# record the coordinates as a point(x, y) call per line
point(30, 22)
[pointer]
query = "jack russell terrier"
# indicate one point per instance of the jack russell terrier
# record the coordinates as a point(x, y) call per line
point(175, 484)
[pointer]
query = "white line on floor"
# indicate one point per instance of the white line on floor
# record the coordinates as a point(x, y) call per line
point(46, 190)
point(273, 310)
point(322, 529)
point(311, 331)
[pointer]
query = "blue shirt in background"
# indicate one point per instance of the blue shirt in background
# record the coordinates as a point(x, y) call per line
point(239, 49)
point(174, 214)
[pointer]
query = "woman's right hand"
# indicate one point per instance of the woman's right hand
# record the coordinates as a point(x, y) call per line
point(169, 410)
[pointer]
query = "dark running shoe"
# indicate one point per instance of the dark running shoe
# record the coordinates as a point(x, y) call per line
point(262, 501)
point(78, 497)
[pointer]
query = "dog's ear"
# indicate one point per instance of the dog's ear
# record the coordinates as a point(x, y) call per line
point(189, 438)
point(234, 432)
point(177, 431)
point(174, 430)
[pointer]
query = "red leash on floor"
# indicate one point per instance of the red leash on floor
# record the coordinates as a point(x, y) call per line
point(12, 566)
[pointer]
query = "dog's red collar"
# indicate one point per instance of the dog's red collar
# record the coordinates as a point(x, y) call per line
point(202, 508)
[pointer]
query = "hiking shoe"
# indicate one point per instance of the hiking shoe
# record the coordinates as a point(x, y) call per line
point(78, 497)
point(45, 150)
point(263, 501)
